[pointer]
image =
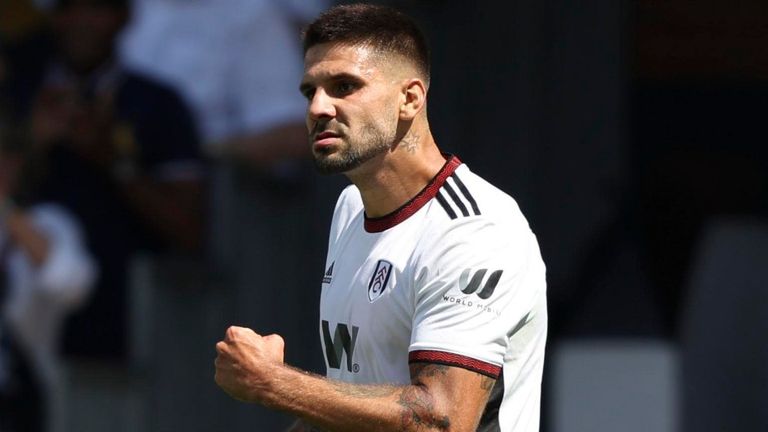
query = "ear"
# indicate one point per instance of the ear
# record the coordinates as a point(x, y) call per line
point(414, 98)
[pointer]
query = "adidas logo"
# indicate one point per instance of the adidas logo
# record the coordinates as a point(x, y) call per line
point(328, 274)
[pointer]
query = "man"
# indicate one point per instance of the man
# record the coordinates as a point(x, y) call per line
point(433, 305)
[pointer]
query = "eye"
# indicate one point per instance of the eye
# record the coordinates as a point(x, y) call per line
point(343, 88)
point(308, 93)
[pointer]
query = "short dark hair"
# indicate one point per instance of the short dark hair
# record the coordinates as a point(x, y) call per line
point(384, 28)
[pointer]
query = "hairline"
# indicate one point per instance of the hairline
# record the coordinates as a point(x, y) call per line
point(377, 50)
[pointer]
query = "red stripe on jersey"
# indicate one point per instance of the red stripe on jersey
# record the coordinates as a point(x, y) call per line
point(461, 361)
point(386, 222)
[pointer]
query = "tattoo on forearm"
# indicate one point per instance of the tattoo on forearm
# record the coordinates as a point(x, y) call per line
point(418, 409)
point(418, 405)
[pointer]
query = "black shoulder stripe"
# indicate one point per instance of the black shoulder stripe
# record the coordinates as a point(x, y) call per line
point(445, 205)
point(466, 193)
point(456, 199)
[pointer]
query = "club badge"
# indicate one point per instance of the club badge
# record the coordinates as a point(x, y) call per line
point(379, 280)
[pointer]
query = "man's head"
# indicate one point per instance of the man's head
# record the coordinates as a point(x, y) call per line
point(384, 29)
point(365, 79)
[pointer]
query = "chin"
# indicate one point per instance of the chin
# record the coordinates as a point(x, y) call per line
point(330, 165)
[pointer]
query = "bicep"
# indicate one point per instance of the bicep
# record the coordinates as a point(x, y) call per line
point(455, 395)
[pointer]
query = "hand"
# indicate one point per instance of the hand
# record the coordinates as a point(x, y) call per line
point(245, 363)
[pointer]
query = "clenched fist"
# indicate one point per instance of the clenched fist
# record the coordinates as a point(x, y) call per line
point(245, 363)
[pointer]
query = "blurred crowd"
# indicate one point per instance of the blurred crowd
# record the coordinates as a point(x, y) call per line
point(174, 129)
point(118, 119)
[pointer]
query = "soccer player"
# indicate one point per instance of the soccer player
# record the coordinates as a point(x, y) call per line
point(433, 306)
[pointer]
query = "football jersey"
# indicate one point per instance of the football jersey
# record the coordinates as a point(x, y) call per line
point(453, 277)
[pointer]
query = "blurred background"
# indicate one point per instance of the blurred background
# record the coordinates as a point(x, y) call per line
point(160, 146)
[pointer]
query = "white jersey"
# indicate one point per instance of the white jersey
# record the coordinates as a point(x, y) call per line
point(453, 277)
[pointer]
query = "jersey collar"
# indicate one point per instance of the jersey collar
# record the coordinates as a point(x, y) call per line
point(382, 223)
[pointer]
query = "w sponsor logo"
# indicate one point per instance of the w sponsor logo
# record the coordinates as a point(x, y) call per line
point(341, 344)
point(471, 280)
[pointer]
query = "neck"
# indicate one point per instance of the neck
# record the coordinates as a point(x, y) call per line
point(392, 179)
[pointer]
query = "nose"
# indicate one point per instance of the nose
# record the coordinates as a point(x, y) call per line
point(321, 106)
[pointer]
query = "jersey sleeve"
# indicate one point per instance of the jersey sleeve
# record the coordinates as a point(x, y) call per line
point(477, 282)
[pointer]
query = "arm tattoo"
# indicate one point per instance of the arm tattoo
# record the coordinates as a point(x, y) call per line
point(427, 370)
point(417, 411)
point(418, 405)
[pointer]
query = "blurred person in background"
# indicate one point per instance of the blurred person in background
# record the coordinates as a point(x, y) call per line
point(122, 152)
point(237, 63)
point(45, 273)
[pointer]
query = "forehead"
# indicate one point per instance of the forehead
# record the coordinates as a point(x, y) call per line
point(328, 59)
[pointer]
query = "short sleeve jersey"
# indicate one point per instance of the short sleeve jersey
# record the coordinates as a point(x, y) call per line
point(453, 277)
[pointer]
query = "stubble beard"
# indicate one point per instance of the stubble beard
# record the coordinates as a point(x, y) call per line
point(372, 143)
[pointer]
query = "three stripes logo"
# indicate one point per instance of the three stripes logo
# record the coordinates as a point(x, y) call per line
point(455, 198)
point(470, 285)
point(328, 276)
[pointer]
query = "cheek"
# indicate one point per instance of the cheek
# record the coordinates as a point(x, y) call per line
point(385, 116)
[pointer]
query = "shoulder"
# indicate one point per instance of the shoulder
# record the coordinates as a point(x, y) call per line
point(467, 204)
point(349, 205)
point(349, 199)
point(468, 194)
point(472, 220)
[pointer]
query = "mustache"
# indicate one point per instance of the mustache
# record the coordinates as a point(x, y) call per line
point(322, 127)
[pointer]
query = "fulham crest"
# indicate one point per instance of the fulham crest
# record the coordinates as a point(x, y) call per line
point(379, 280)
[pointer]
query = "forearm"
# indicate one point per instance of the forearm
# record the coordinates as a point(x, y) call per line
point(250, 367)
point(335, 406)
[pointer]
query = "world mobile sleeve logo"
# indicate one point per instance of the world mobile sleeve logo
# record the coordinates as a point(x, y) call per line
point(470, 286)
point(475, 282)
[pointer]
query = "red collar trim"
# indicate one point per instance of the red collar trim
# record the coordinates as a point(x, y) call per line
point(379, 224)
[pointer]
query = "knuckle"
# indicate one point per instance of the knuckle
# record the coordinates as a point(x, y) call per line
point(221, 347)
point(275, 339)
